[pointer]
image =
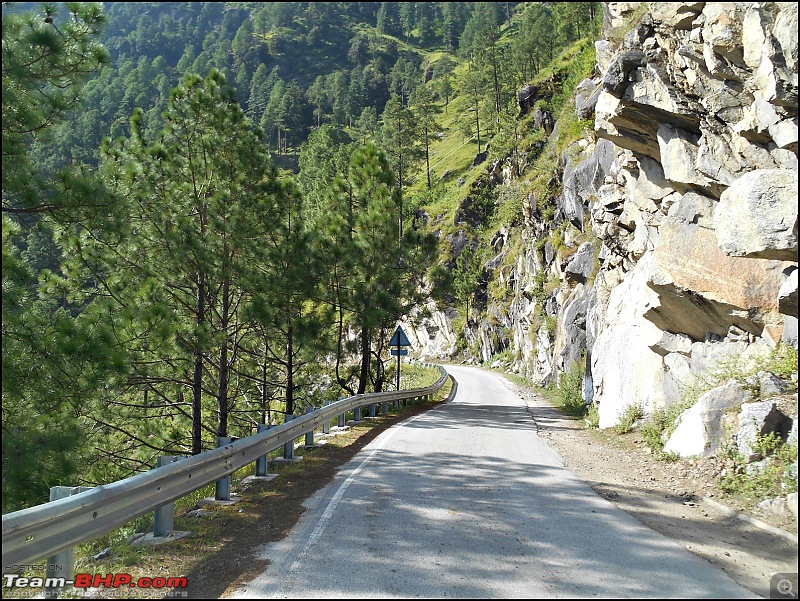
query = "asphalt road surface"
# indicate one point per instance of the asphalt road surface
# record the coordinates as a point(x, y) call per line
point(466, 501)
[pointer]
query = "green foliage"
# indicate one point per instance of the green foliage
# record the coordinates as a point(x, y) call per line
point(570, 391)
point(571, 129)
point(505, 356)
point(782, 360)
point(509, 201)
point(55, 358)
point(629, 416)
point(660, 425)
point(413, 375)
point(375, 267)
point(592, 420)
point(661, 422)
point(616, 34)
point(774, 477)
point(543, 285)
point(203, 303)
point(46, 60)
point(466, 275)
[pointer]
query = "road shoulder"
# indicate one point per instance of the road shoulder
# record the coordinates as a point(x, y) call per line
point(665, 497)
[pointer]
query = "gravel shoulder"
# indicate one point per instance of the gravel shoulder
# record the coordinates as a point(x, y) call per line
point(677, 499)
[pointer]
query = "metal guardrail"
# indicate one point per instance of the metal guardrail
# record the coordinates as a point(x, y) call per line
point(44, 530)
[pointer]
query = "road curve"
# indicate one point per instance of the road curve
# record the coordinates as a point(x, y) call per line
point(466, 501)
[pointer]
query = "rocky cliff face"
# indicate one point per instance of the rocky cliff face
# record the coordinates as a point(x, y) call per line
point(698, 213)
point(674, 241)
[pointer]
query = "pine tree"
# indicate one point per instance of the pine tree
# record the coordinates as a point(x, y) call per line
point(426, 110)
point(54, 357)
point(401, 138)
point(473, 83)
point(46, 60)
point(199, 199)
point(442, 75)
point(374, 273)
point(286, 279)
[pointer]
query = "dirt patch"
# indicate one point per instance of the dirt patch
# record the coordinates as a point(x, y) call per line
point(679, 499)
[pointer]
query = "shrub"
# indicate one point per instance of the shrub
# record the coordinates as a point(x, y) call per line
point(773, 477)
point(592, 417)
point(783, 360)
point(570, 385)
point(630, 416)
point(660, 425)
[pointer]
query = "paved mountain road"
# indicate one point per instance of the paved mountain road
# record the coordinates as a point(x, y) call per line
point(466, 501)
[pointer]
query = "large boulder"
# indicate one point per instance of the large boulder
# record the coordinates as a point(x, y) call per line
point(571, 344)
point(526, 96)
point(757, 420)
point(673, 343)
point(757, 216)
point(630, 117)
point(699, 432)
point(624, 369)
point(583, 179)
point(617, 77)
point(678, 15)
point(679, 149)
point(586, 95)
point(702, 290)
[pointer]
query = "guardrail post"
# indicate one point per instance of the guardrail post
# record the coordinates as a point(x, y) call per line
point(222, 490)
point(288, 447)
point(61, 565)
point(341, 420)
point(326, 425)
point(262, 462)
point(310, 434)
point(164, 516)
point(373, 409)
point(385, 408)
point(357, 414)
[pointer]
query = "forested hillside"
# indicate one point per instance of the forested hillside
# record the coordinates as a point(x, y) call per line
point(215, 214)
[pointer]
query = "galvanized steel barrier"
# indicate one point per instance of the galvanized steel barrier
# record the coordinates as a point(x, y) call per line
point(44, 530)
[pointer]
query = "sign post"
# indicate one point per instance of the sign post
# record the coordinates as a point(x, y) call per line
point(399, 339)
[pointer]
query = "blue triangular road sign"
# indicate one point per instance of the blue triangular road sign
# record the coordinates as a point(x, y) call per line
point(399, 338)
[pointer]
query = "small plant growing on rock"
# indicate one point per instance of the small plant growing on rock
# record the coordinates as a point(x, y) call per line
point(783, 361)
point(629, 417)
point(774, 475)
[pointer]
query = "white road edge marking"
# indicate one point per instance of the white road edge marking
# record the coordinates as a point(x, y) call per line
point(297, 565)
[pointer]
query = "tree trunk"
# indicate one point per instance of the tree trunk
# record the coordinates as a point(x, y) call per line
point(197, 378)
point(478, 125)
point(266, 418)
point(222, 390)
point(427, 159)
point(289, 369)
point(363, 377)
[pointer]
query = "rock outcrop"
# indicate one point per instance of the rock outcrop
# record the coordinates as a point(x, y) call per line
point(674, 242)
point(702, 107)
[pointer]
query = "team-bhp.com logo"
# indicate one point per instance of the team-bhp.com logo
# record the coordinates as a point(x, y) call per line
point(85, 580)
